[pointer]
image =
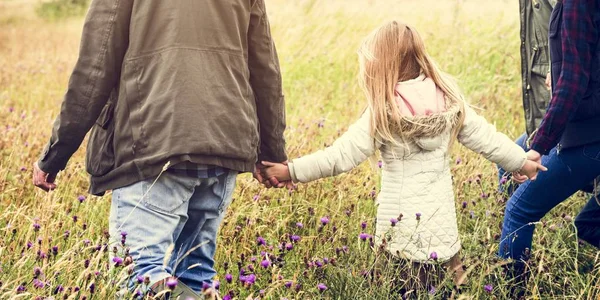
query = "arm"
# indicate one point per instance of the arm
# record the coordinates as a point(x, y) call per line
point(265, 79)
point(578, 34)
point(347, 152)
point(481, 137)
point(105, 39)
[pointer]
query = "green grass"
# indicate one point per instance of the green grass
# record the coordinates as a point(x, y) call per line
point(477, 41)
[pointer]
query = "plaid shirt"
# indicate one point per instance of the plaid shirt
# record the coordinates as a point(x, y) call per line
point(197, 170)
point(577, 34)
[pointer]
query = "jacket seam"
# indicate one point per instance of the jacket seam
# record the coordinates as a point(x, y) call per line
point(163, 50)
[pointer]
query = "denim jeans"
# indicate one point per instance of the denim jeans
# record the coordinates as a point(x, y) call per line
point(176, 211)
point(568, 171)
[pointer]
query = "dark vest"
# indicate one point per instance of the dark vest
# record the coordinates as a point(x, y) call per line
point(584, 127)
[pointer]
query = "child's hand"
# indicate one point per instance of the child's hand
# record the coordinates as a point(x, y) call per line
point(279, 171)
point(529, 170)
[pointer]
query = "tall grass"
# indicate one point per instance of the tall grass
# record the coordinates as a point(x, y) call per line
point(64, 235)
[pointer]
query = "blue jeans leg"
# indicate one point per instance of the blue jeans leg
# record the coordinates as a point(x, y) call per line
point(155, 217)
point(196, 245)
point(505, 184)
point(568, 171)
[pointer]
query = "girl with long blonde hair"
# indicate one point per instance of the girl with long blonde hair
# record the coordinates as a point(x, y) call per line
point(414, 113)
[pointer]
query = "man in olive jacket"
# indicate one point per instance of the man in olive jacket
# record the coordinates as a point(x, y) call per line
point(190, 87)
point(535, 67)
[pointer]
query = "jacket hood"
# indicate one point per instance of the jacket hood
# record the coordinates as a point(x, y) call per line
point(425, 110)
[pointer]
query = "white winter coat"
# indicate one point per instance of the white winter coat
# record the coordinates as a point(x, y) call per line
point(416, 179)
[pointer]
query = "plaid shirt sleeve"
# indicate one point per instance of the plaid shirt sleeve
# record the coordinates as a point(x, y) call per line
point(578, 34)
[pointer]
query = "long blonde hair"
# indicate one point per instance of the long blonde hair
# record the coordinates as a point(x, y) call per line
point(392, 53)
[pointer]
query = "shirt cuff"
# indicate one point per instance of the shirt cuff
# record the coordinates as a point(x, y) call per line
point(292, 171)
point(542, 144)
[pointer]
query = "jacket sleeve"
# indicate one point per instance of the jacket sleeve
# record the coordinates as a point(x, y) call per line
point(481, 137)
point(265, 79)
point(347, 152)
point(104, 41)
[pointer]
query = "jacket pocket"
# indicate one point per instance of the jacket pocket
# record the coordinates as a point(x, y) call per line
point(100, 156)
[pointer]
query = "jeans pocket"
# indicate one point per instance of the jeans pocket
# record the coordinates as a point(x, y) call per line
point(592, 151)
point(228, 188)
point(168, 193)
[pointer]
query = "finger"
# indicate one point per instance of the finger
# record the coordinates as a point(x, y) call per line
point(268, 164)
point(542, 168)
point(274, 181)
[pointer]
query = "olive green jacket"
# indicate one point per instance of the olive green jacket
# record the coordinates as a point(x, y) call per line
point(171, 81)
point(535, 57)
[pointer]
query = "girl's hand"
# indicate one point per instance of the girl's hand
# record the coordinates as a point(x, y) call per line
point(529, 170)
point(280, 171)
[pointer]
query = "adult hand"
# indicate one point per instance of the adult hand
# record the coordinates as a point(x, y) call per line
point(43, 180)
point(535, 156)
point(549, 81)
point(258, 175)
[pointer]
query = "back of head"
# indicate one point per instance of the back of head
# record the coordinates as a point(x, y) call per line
point(392, 53)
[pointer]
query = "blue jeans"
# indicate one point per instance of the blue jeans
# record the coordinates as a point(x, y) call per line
point(505, 184)
point(568, 171)
point(177, 210)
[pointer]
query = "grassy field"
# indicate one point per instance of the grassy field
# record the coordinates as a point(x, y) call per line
point(54, 244)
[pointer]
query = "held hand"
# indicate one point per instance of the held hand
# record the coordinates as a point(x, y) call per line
point(280, 172)
point(549, 81)
point(530, 170)
point(258, 175)
point(534, 156)
point(42, 179)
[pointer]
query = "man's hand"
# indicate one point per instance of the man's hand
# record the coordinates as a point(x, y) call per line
point(532, 166)
point(42, 179)
point(260, 176)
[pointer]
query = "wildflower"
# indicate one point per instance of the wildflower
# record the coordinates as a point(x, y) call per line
point(265, 263)
point(227, 297)
point(345, 249)
point(140, 279)
point(228, 278)
point(38, 284)
point(324, 220)
point(418, 215)
point(318, 263)
point(205, 286)
point(299, 225)
point(484, 195)
point(289, 246)
point(363, 225)
point(321, 287)
point(123, 234)
point(36, 226)
point(256, 197)
point(363, 236)
point(172, 283)
point(503, 180)
point(117, 260)
point(288, 284)
point(21, 289)
point(394, 221)
point(23, 169)
point(29, 245)
point(472, 213)
point(458, 161)
point(216, 284)
point(464, 204)
point(86, 242)
point(432, 290)
point(261, 241)
point(92, 288)
point(326, 260)
point(75, 218)
point(55, 250)
point(253, 258)
point(380, 164)
point(59, 289)
point(433, 255)
point(488, 288)
point(37, 272)
point(81, 198)
point(295, 238)
point(86, 263)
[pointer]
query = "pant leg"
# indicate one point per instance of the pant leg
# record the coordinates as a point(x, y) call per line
point(151, 216)
point(568, 171)
point(505, 184)
point(588, 222)
point(206, 210)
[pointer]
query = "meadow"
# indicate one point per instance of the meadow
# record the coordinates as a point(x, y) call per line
point(55, 244)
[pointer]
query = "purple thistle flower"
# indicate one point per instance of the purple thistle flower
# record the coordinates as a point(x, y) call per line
point(117, 260)
point(318, 263)
point(289, 246)
point(432, 290)
point(322, 287)
point(29, 245)
point(59, 289)
point(503, 180)
point(325, 260)
point(55, 250)
point(433, 255)
point(261, 241)
point(123, 234)
point(140, 279)
point(37, 272)
point(36, 226)
point(363, 225)
point(172, 283)
point(227, 297)
point(253, 258)
point(295, 238)
point(418, 215)
point(75, 218)
point(288, 284)
point(345, 249)
point(324, 220)
point(216, 284)
point(250, 279)
point(92, 288)
point(21, 289)
point(23, 169)
point(256, 197)
point(265, 263)
point(11, 109)
point(228, 278)
point(81, 198)
point(38, 284)
point(394, 221)
point(86, 242)
point(488, 288)
point(205, 286)
point(472, 214)
point(380, 164)
point(464, 204)
point(299, 225)
point(363, 236)
point(458, 161)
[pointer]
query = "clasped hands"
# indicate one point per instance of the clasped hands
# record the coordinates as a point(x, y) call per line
point(273, 175)
point(531, 168)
